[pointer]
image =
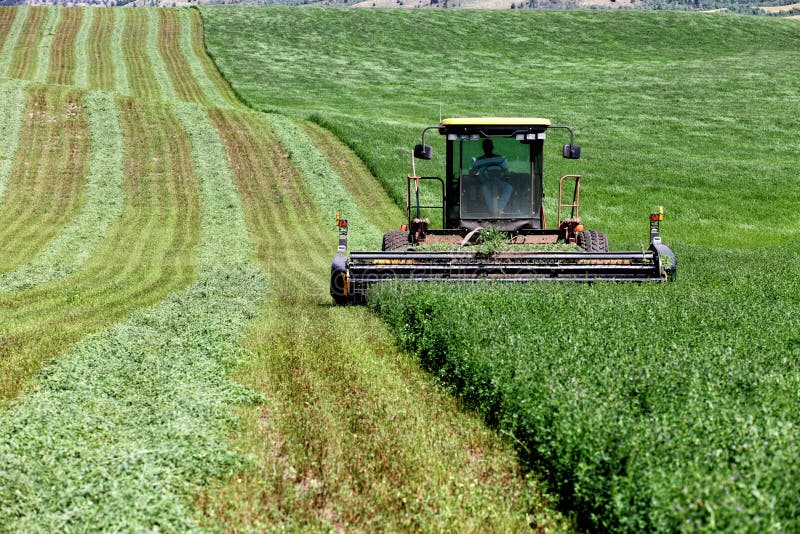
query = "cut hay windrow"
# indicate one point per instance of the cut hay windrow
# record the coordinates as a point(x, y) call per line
point(12, 107)
point(116, 68)
point(7, 15)
point(10, 41)
point(26, 47)
point(134, 45)
point(153, 48)
point(216, 88)
point(369, 197)
point(171, 51)
point(104, 199)
point(338, 430)
point(101, 66)
point(48, 31)
point(63, 50)
point(124, 428)
point(326, 187)
point(159, 228)
point(81, 50)
point(46, 184)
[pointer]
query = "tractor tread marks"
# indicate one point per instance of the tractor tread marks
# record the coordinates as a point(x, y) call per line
point(593, 241)
point(395, 240)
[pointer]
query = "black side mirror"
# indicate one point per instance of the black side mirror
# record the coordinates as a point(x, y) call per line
point(423, 151)
point(572, 151)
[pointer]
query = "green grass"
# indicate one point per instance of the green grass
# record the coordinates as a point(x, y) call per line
point(693, 112)
point(123, 318)
point(678, 109)
point(351, 434)
point(94, 445)
point(647, 409)
point(70, 250)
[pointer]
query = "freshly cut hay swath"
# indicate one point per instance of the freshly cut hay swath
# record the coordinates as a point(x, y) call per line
point(81, 49)
point(140, 74)
point(101, 67)
point(214, 88)
point(119, 61)
point(149, 251)
point(104, 199)
point(156, 59)
point(10, 41)
point(326, 187)
point(12, 106)
point(368, 196)
point(62, 52)
point(26, 49)
point(222, 88)
point(126, 426)
point(170, 49)
point(321, 438)
point(7, 15)
point(46, 184)
point(48, 31)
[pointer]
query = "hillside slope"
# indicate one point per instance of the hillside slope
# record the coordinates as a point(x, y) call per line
point(647, 407)
point(157, 240)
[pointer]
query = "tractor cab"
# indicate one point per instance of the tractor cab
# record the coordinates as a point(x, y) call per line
point(493, 175)
point(494, 172)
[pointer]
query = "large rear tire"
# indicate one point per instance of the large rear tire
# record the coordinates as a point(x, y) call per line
point(395, 240)
point(593, 241)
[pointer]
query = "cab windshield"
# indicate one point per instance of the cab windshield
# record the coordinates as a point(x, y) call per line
point(497, 177)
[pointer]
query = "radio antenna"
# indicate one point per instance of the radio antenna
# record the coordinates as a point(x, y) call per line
point(441, 85)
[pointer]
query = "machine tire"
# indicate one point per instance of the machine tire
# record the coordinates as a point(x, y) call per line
point(395, 240)
point(593, 241)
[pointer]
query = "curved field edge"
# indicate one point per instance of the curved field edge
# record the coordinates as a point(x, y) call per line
point(689, 424)
point(104, 199)
point(142, 410)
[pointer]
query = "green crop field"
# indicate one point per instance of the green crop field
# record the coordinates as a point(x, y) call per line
point(644, 407)
point(169, 356)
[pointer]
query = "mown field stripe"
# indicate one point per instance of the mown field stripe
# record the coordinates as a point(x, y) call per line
point(26, 49)
point(10, 43)
point(63, 50)
point(142, 410)
point(117, 67)
point(45, 47)
point(360, 183)
point(325, 186)
point(153, 48)
point(170, 39)
point(7, 15)
point(45, 187)
point(149, 252)
point(70, 250)
point(340, 443)
point(12, 107)
point(216, 88)
point(140, 73)
point(99, 49)
point(80, 50)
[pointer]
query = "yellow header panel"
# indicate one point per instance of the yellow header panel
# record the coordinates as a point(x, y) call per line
point(496, 121)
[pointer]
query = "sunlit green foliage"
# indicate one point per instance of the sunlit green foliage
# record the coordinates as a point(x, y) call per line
point(646, 407)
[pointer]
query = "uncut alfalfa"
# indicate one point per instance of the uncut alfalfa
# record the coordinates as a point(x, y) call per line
point(648, 407)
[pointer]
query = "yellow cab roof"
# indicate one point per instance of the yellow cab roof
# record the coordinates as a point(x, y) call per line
point(496, 121)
